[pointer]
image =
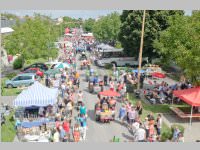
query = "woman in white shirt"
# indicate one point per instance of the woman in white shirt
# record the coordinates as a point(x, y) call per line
point(56, 136)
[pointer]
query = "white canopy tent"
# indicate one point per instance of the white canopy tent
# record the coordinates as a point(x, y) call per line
point(36, 95)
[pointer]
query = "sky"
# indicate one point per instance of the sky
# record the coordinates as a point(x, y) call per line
point(85, 14)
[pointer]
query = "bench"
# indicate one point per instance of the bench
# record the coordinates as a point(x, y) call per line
point(183, 115)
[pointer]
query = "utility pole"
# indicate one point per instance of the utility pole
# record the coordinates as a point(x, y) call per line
point(141, 49)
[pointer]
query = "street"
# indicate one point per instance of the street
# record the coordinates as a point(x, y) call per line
point(100, 132)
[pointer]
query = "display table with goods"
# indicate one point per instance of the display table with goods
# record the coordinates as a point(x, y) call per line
point(35, 131)
point(85, 64)
point(103, 113)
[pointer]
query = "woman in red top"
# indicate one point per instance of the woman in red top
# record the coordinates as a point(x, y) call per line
point(76, 133)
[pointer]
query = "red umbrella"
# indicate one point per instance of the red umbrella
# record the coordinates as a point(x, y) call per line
point(158, 75)
point(109, 93)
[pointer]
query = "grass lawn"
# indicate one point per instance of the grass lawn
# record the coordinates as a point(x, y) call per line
point(155, 109)
point(11, 92)
point(158, 108)
point(8, 132)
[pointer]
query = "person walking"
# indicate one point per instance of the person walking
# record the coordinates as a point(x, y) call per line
point(132, 115)
point(83, 123)
point(175, 134)
point(146, 126)
point(158, 126)
point(63, 88)
point(140, 135)
point(128, 109)
point(112, 84)
point(122, 113)
point(83, 110)
point(56, 135)
point(139, 108)
point(76, 133)
point(105, 78)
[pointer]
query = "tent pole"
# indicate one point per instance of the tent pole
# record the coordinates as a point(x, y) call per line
point(191, 116)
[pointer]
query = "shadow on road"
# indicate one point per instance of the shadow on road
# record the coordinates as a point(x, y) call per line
point(91, 115)
point(123, 124)
point(129, 138)
point(120, 123)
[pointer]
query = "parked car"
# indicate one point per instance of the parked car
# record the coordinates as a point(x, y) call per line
point(37, 65)
point(26, 79)
point(37, 71)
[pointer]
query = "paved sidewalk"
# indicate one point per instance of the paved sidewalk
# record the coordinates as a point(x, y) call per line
point(192, 133)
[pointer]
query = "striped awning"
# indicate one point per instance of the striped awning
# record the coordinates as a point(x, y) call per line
point(36, 95)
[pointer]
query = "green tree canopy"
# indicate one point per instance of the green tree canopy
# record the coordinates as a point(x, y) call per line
point(33, 39)
point(107, 28)
point(88, 25)
point(130, 31)
point(180, 43)
point(69, 22)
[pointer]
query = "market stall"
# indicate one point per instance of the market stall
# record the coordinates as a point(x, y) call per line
point(36, 95)
point(31, 125)
point(192, 97)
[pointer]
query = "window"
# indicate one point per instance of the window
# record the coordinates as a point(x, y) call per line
point(33, 66)
point(25, 77)
point(16, 79)
point(107, 54)
point(33, 71)
point(116, 54)
point(30, 71)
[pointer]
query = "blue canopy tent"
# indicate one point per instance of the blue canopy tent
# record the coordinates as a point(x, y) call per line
point(136, 71)
point(36, 95)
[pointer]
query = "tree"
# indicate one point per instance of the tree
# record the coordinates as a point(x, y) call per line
point(106, 29)
point(69, 22)
point(33, 38)
point(9, 16)
point(180, 43)
point(130, 31)
point(88, 25)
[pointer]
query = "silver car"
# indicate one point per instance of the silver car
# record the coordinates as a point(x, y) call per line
point(21, 80)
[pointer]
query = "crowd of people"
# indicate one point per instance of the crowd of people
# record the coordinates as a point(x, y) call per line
point(71, 112)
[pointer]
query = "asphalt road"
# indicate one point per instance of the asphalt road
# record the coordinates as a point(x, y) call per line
point(100, 132)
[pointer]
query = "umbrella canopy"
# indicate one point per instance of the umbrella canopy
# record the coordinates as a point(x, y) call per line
point(158, 75)
point(52, 71)
point(136, 71)
point(109, 93)
point(62, 65)
point(190, 96)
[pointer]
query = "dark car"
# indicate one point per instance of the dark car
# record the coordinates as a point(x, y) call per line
point(37, 65)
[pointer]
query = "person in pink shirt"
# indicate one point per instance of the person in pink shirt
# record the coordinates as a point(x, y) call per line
point(57, 124)
point(111, 85)
point(128, 109)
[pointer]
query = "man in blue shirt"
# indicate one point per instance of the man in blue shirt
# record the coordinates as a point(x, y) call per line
point(83, 109)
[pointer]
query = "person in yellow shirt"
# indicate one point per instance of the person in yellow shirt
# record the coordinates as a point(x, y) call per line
point(77, 75)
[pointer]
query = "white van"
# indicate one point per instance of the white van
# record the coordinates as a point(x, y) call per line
point(116, 57)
